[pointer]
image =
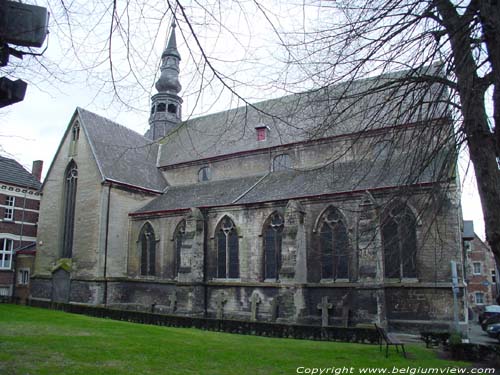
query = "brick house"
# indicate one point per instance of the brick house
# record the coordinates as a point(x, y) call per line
point(481, 271)
point(19, 206)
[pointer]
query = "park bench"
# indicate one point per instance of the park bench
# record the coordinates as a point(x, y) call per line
point(389, 340)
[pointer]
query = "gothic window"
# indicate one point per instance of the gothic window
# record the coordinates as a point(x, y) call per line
point(172, 108)
point(281, 162)
point(147, 244)
point(179, 236)
point(161, 107)
point(75, 132)
point(227, 249)
point(204, 174)
point(70, 184)
point(6, 247)
point(334, 245)
point(273, 230)
point(399, 237)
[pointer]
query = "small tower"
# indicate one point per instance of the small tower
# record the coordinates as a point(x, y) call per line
point(167, 104)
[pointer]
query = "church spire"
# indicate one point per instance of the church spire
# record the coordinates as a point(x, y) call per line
point(170, 58)
point(166, 104)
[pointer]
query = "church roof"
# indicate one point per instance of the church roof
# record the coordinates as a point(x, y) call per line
point(341, 109)
point(122, 155)
point(341, 178)
point(11, 172)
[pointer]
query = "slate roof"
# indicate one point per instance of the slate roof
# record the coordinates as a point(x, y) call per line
point(122, 154)
point(310, 115)
point(11, 172)
point(295, 184)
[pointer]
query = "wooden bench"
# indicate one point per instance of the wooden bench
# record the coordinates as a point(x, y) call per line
point(389, 340)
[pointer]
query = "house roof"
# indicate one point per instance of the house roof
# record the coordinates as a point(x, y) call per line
point(296, 184)
point(122, 155)
point(11, 172)
point(341, 109)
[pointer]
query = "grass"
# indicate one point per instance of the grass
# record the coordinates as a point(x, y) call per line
point(38, 341)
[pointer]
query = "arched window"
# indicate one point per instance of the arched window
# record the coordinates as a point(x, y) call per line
point(172, 108)
point(281, 162)
point(227, 249)
point(179, 235)
point(273, 229)
point(161, 107)
point(204, 174)
point(70, 184)
point(147, 244)
point(75, 132)
point(399, 238)
point(334, 245)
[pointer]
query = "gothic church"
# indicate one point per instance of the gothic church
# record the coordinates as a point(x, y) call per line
point(303, 209)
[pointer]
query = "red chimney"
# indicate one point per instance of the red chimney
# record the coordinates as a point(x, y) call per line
point(36, 170)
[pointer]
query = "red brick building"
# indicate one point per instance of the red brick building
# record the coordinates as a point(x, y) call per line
point(481, 273)
point(19, 205)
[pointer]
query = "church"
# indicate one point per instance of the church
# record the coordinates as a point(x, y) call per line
point(335, 206)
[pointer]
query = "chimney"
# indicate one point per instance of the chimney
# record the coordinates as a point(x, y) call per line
point(36, 170)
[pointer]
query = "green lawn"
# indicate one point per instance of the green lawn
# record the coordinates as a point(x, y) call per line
point(38, 341)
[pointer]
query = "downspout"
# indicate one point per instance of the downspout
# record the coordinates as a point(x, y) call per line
point(14, 251)
point(105, 292)
point(205, 278)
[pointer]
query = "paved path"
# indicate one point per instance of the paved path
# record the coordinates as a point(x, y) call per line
point(478, 336)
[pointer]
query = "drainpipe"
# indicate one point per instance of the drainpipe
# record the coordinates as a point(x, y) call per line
point(105, 292)
point(14, 250)
point(205, 278)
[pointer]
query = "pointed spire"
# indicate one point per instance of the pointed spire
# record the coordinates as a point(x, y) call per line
point(169, 77)
point(172, 44)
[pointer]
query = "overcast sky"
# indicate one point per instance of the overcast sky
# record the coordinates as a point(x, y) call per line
point(32, 129)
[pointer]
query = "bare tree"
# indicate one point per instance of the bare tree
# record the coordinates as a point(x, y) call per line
point(321, 44)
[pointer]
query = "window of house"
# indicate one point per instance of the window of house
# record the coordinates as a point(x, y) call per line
point(6, 248)
point(10, 202)
point(273, 230)
point(204, 174)
point(334, 245)
point(493, 276)
point(479, 298)
point(399, 238)
point(281, 162)
point(70, 185)
point(147, 244)
point(227, 249)
point(261, 133)
point(179, 236)
point(476, 268)
point(23, 276)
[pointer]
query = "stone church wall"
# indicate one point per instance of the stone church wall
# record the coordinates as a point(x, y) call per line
point(87, 221)
point(366, 297)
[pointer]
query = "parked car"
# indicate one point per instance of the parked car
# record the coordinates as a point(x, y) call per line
point(488, 312)
point(492, 319)
point(493, 330)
